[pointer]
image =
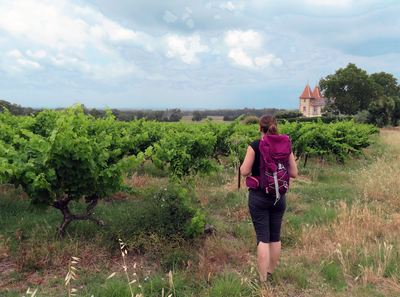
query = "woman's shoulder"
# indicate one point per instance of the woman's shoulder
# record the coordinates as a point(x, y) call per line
point(255, 144)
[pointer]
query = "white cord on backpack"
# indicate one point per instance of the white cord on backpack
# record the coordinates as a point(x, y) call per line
point(278, 195)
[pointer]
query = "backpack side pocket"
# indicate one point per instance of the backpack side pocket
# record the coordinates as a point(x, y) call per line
point(252, 182)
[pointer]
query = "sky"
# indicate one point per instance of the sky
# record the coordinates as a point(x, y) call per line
point(188, 54)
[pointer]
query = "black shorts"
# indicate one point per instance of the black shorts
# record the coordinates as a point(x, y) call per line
point(267, 217)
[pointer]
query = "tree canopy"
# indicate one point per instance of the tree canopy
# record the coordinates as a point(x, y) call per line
point(386, 84)
point(198, 116)
point(351, 87)
point(353, 90)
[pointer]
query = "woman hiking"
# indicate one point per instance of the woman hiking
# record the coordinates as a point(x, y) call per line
point(267, 209)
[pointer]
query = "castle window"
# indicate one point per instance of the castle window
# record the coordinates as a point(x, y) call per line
point(304, 100)
point(315, 109)
point(304, 109)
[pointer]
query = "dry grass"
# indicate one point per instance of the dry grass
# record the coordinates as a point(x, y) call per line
point(365, 234)
point(8, 189)
point(139, 181)
point(221, 252)
point(54, 253)
point(7, 263)
point(380, 180)
point(204, 199)
point(136, 181)
point(238, 213)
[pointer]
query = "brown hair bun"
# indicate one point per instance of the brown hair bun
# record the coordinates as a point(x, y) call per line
point(269, 125)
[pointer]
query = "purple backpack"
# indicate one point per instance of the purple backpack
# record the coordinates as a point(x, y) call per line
point(274, 176)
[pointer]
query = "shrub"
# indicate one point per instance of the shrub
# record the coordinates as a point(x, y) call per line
point(362, 117)
point(251, 120)
point(166, 212)
point(287, 114)
point(326, 120)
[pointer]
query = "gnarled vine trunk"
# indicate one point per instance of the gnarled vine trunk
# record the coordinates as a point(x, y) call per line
point(62, 205)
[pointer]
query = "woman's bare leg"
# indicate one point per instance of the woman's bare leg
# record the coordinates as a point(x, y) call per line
point(274, 252)
point(263, 253)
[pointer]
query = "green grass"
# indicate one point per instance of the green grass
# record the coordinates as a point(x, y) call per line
point(229, 284)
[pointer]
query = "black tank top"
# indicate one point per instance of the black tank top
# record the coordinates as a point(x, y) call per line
point(255, 145)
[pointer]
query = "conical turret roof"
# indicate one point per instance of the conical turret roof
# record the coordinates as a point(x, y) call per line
point(307, 93)
point(317, 93)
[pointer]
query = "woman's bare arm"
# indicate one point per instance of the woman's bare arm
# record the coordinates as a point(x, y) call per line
point(293, 166)
point(248, 162)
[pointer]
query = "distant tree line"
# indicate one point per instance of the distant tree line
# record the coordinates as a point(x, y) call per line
point(233, 114)
point(168, 115)
point(127, 115)
point(16, 109)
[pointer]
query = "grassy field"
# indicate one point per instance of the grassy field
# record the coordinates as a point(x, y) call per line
point(340, 237)
point(214, 119)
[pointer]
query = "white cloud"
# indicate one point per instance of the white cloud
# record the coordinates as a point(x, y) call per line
point(228, 6)
point(243, 39)
point(190, 23)
point(117, 33)
point(28, 63)
point(169, 17)
point(39, 54)
point(185, 16)
point(195, 47)
point(45, 23)
point(14, 53)
point(278, 62)
point(330, 2)
point(264, 61)
point(215, 52)
point(240, 57)
point(217, 17)
point(214, 40)
point(170, 54)
point(188, 10)
point(177, 46)
point(208, 5)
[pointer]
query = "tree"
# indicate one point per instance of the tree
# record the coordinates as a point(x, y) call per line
point(385, 111)
point(150, 116)
point(96, 113)
point(351, 88)
point(157, 115)
point(175, 115)
point(198, 116)
point(386, 84)
point(115, 112)
point(14, 109)
point(139, 114)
